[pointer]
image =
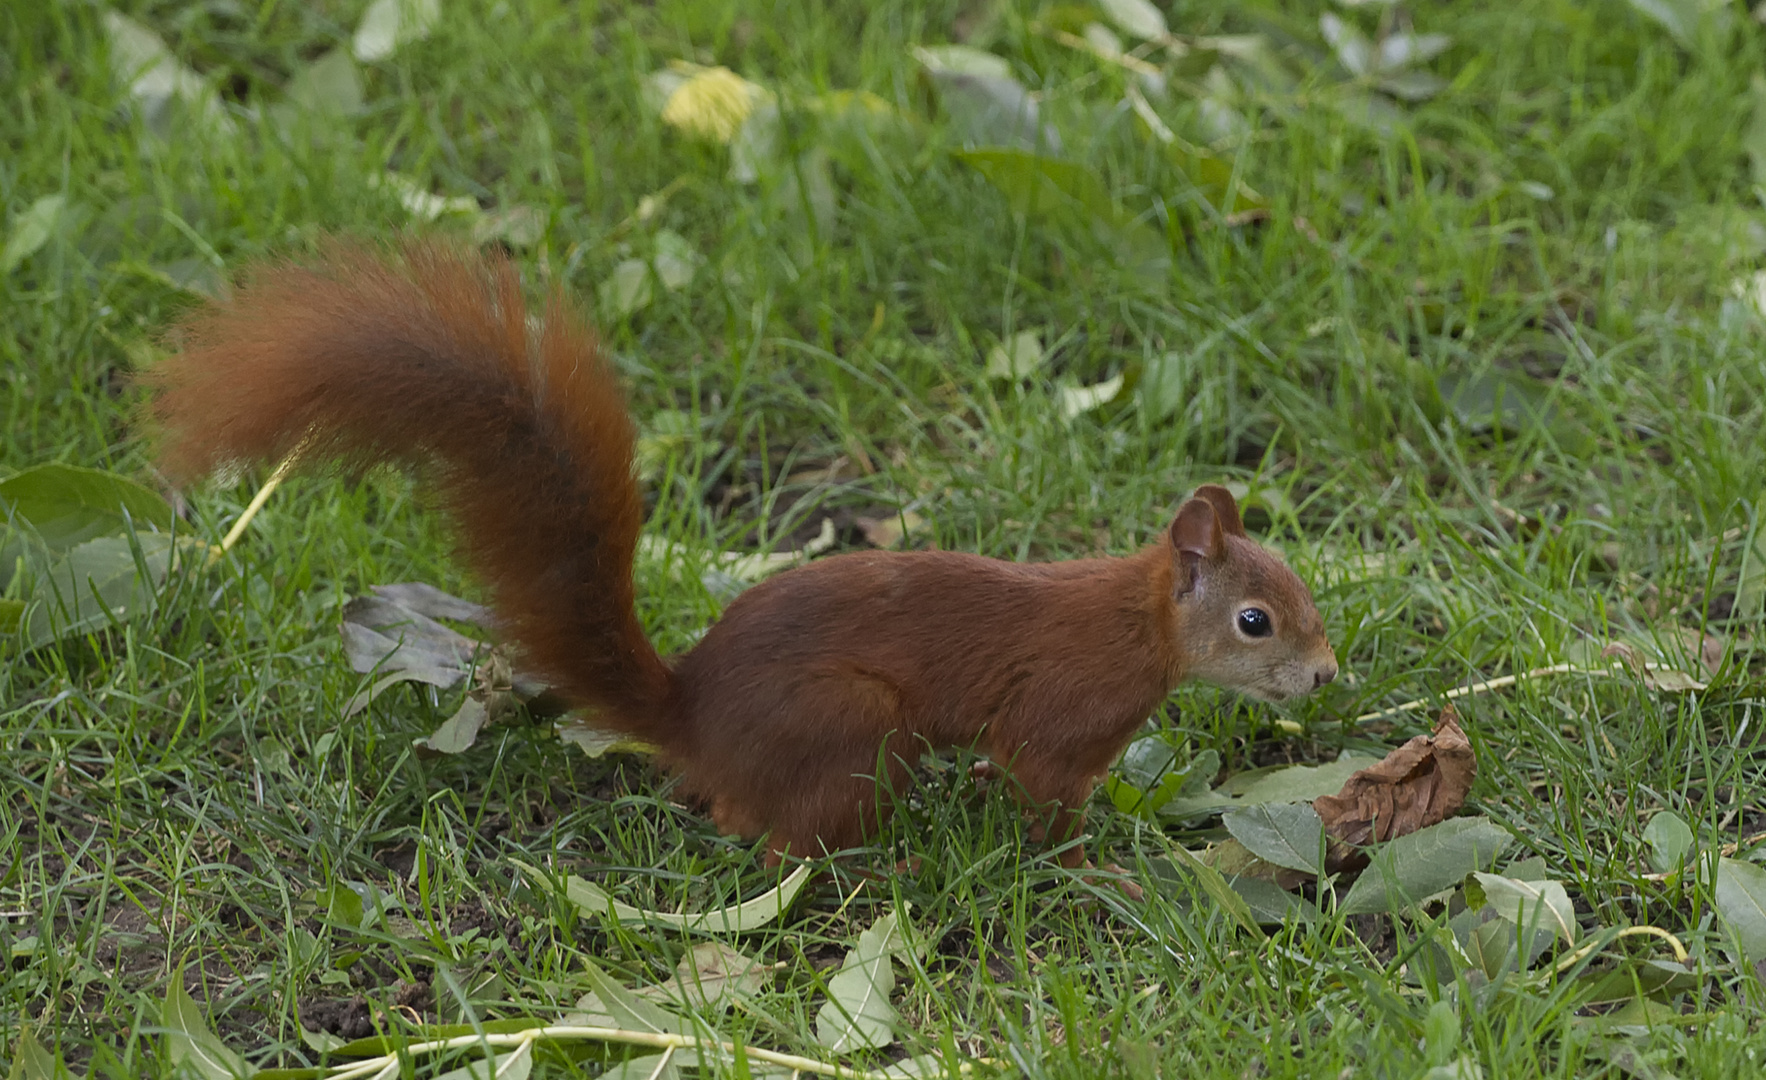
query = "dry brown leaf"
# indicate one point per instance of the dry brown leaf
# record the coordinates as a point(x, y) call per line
point(1421, 783)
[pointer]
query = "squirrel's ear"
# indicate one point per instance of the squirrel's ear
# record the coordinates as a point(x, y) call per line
point(1195, 532)
point(1195, 537)
point(1226, 510)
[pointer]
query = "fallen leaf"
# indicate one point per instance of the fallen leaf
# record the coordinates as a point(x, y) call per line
point(389, 24)
point(491, 699)
point(330, 86)
point(1272, 905)
point(858, 1014)
point(1423, 863)
point(597, 742)
point(428, 600)
point(1740, 893)
point(1214, 883)
point(889, 532)
point(31, 230)
point(189, 1039)
point(518, 226)
point(1286, 834)
point(984, 102)
point(1282, 783)
point(739, 918)
point(1655, 676)
point(1669, 838)
point(1238, 863)
point(155, 77)
point(418, 201)
point(30, 1061)
point(1417, 785)
point(1075, 400)
point(1532, 905)
point(1017, 358)
point(711, 975)
point(1137, 17)
point(711, 103)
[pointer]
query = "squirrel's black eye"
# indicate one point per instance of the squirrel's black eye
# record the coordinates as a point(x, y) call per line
point(1255, 622)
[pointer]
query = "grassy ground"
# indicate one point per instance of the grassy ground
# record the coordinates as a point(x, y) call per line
point(1487, 338)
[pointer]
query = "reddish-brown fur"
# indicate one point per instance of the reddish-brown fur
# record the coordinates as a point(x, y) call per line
point(782, 715)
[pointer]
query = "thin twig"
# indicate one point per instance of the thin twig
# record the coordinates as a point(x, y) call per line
point(1500, 683)
point(1581, 951)
point(256, 504)
point(661, 1040)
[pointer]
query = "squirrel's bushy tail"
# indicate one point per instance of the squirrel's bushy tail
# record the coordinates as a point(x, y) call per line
point(429, 358)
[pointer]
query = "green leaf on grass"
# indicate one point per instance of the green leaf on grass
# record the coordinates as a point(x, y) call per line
point(1215, 885)
point(1425, 862)
point(1632, 978)
point(31, 1061)
point(1016, 359)
point(1286, 834)
point(140, 60)
point(1272, 905)
point(749, 915)
point(1074, 400)
point(627, 289)
point(1147, 776)
point(343, 903)
point(1750, 590)
point(1042, 187)
point(1669, 839)
point(712, 976)
point(857, 1014)
point(1531, 904)
point(189, 1041)
point(1278, 784)
point(1137, 17)
point(31, 230)
point(1510, 402)
point(919, 1067)
point(459, 731)
point(984, 102)
point(67, 505)
point(1741, 900)
point(389, 24)
point(628, 1009)
point(1681, 18)
point(93, 584)
point(329, 86)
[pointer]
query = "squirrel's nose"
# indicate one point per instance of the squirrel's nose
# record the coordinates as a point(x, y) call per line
point(1324, 674)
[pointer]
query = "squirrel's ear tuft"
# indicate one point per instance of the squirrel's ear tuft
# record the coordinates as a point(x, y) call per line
point(1225, 508)
point(1195, 532)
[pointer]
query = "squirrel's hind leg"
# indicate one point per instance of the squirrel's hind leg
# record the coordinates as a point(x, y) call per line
point(827, 778)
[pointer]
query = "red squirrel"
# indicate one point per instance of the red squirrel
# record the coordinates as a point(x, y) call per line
point(781, 715)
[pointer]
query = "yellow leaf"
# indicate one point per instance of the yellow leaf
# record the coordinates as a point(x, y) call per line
point(712, 104)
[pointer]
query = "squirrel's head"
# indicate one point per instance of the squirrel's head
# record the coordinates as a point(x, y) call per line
point(1244, 620)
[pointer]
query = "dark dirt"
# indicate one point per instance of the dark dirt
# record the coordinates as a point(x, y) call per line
point(350, 1018)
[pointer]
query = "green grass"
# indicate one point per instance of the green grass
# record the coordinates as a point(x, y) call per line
point(1564, 220)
